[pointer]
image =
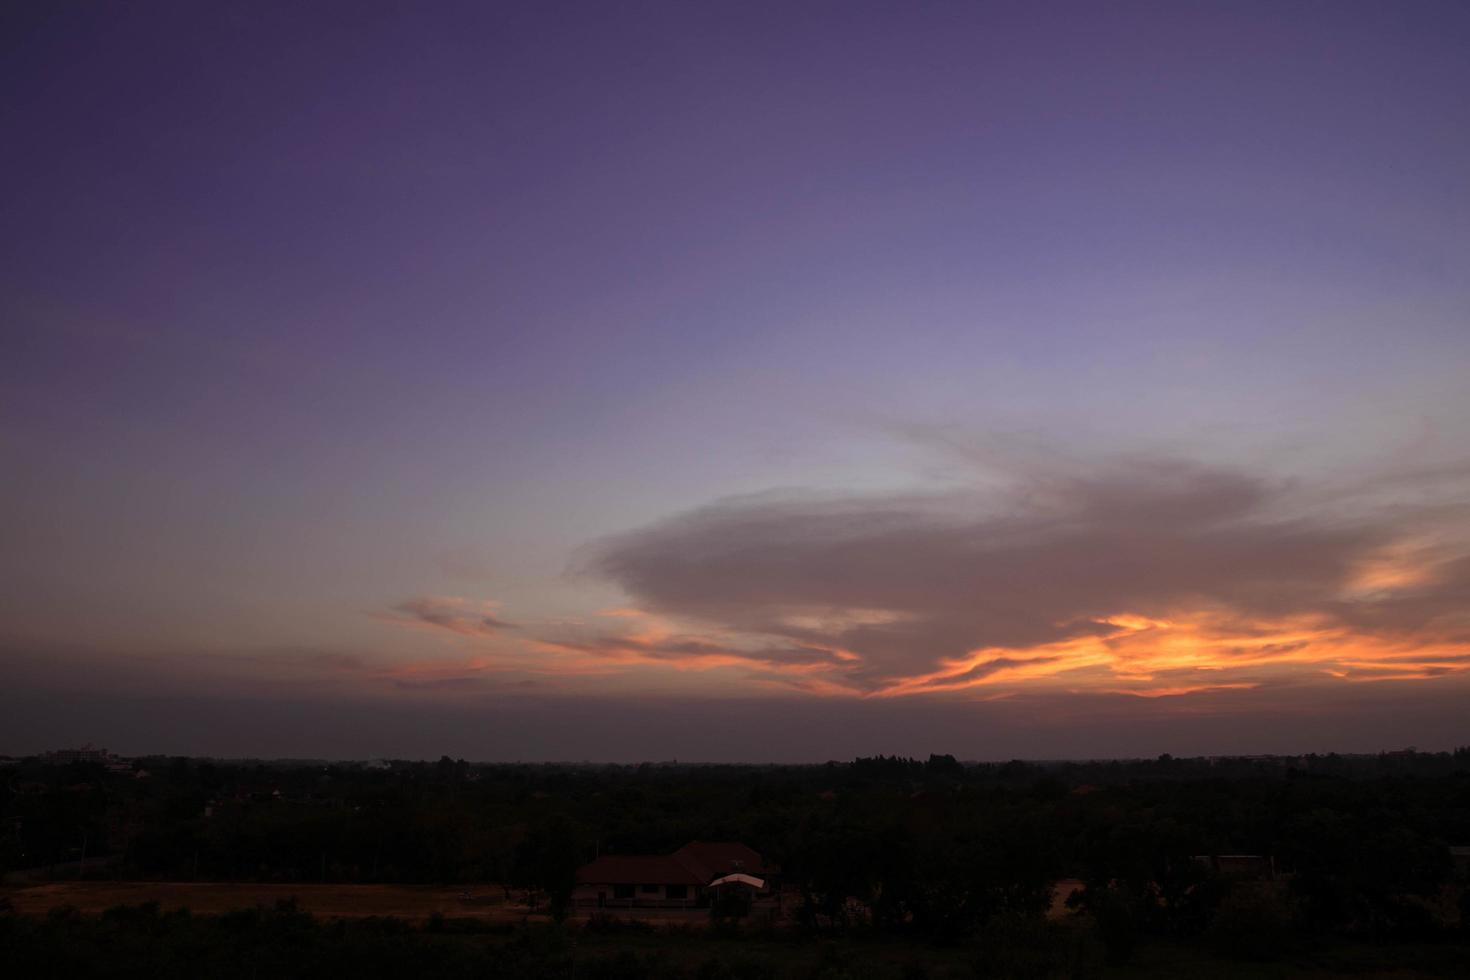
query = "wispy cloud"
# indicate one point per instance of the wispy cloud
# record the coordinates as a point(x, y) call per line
point(452, 613)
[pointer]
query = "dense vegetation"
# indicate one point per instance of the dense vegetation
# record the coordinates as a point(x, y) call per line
point(933, 853)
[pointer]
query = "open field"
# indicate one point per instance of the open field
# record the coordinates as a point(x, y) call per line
point(659, 948)
point(330, 901)
point(326, 900)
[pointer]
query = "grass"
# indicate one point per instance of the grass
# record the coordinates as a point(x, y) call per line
point(414, 903)
point(687, 948)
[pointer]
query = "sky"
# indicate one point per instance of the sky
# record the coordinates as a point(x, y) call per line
point(734, 381)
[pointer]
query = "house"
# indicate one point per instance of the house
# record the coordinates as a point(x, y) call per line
point(1460, 861)
point(1252, 867)
point(691, 877)
point(87, 753)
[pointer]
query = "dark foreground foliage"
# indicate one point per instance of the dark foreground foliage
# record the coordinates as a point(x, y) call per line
point(283, 942)
point(881, 853)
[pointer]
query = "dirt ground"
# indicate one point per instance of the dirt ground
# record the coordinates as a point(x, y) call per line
point(413, 902)
point(327, 901)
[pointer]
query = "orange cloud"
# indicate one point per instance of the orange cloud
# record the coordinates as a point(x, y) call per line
point(1128, 653)
point(1150, 654)
point(1148, 578)
point(1174, 692)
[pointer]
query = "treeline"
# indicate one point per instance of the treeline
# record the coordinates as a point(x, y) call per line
point(931, 849)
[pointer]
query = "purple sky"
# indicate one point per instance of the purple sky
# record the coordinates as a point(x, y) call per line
point(735, 381)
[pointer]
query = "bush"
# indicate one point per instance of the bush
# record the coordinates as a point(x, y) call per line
point(1253, 923)
point(612, 925)
point(1118, 917)
point(737, 967)
point(1035, 949)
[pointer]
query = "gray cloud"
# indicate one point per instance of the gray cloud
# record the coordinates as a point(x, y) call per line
point(686, 649)
point(1044, 560)
point(454, 615)
point(988, 667)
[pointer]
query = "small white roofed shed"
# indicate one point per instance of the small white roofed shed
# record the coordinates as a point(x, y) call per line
point(739, 879)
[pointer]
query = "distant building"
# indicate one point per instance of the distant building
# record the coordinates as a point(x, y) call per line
point(87, 753)
point(1460, 861)
point(1254, 867)
point(692, 877)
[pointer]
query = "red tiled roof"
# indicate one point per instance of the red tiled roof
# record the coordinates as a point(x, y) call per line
point(711, 859)
point(637, 869)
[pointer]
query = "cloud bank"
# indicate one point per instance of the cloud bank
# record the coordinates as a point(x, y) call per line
point(1109, 608)
point(1147, 576)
